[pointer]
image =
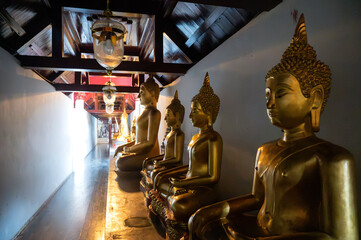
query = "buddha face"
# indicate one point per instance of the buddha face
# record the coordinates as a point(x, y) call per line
point(170, 118)
point(198, 117)
point(287, 108)
point(145, 96)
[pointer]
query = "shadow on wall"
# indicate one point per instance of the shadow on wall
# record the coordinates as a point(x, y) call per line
point(237, 173)
point(17, 88)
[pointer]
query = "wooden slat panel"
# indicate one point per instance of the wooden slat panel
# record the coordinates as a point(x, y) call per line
point(179, 40)
point(206, 24)
point(263, 5)
point(32, 28)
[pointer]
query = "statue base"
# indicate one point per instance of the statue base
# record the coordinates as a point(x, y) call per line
point(158, 206)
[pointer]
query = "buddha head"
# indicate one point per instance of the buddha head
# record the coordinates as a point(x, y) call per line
point(174, 112)
point(205, 106)
point(297, 88)
point(149, 92)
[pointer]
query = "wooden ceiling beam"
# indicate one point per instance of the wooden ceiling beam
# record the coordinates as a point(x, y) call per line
point(205, 25)
point(161, 80)
point(146, 7)
point(14, 25)
point(54, 75)
point(91, 65)
point(103, 111)
point(263, 5)
point(32, 28)
point(57, 46)
point(92, 88)
point(158, 39)
point(168, 8)
point(77, 78)
point(104, 74)
point(146, 39)
point(128, 50)
point(140, 79)
point(178, 38)
point(72, 36)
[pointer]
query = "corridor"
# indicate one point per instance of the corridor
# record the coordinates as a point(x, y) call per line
point(78, 210)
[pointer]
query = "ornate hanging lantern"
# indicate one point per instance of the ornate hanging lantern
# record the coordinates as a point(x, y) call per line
point(109, 96)
point(108, 41)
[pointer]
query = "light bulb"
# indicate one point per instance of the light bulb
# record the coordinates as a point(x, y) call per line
point(109, 108)
point(108, 47)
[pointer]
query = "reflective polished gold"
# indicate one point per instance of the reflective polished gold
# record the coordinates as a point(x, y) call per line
point(304, 187)
point(178, 192)
point(173, 147)
point(147, 126)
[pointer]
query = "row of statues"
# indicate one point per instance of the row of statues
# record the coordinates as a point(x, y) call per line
point(303, 187)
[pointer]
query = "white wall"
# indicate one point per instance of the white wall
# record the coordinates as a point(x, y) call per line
point(37, 144)
point(237, 71)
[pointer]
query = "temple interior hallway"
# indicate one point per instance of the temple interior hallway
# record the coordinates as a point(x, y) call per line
point(78, 210)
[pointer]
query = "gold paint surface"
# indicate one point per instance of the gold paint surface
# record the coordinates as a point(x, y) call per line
point(146, 131)
point(304, 187)
point(178, 192)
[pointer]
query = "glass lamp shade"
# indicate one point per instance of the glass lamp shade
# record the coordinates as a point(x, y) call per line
point(109, 108)
point(108, 42)
point(109, 95)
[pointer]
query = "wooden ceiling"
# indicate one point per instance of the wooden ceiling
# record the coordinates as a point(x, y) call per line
point(164, 38)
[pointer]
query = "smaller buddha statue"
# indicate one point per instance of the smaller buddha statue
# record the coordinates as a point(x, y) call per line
point(124, 130)
point(178, 192)
point(174, 142)
point(147, 126)
point(132, 132)
point(303, 187)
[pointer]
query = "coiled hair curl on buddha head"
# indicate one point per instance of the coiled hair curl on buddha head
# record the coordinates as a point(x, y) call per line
point(176, 107)
point(299, 60)
point(208, 99)
point(151, 86)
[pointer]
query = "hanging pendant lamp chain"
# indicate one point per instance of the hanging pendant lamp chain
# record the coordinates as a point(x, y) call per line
point(107, 13)
point(109, 73)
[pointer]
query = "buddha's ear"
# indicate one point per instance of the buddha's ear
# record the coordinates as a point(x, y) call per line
point(209, 117)
point(177, 116)
point(152, 93)
point(317, 95)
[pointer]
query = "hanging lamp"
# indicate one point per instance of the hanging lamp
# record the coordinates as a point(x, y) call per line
point(108, 41)
point(108, 47)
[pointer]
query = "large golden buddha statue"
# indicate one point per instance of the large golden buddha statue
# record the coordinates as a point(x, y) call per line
point(180, 191)
point(147, 125)
point(304, 187)
point(174, 142)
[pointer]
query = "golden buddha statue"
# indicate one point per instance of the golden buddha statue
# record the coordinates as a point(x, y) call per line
point(147, 125)
point(178, 192)
point(124, 130)
point(304, 187)
point(174, 146)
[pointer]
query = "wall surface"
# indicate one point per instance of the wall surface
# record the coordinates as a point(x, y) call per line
point(237, 72)
point(38, 129)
